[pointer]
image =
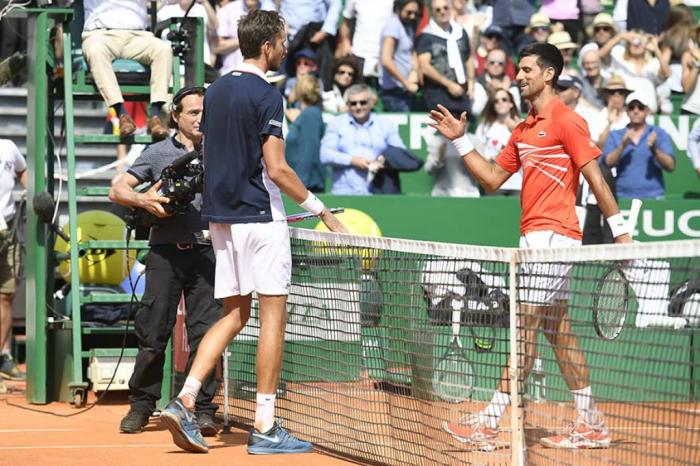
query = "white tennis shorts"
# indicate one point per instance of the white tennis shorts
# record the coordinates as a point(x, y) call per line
point(251, 257)
point(541, 284)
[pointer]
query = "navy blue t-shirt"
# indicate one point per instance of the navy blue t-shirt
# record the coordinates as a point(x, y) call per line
point(240, 110)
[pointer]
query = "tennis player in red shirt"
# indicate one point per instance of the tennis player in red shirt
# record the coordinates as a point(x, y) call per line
point(551, 146)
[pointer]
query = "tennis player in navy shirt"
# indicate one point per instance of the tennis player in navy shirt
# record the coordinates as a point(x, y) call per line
point(245, 173)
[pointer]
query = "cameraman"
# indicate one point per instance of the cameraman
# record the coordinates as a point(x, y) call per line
point(181, 260)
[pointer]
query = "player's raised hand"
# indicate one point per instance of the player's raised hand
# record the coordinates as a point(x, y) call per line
point(446, 124)
point(332, 222)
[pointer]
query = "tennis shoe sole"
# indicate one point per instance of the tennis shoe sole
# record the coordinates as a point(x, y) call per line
point(172, 422)
point(276, 451)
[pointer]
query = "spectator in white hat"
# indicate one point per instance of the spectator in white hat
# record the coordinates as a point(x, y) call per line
point(641, 153)
point(601, 31)
point(613, 116)
point(562, 40)
point(537, 30)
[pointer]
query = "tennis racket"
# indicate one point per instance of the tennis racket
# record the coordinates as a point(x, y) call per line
point(453, 380)
point(307, 215)
point(611, 301)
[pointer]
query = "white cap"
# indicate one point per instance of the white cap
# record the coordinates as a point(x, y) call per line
point(641, 97)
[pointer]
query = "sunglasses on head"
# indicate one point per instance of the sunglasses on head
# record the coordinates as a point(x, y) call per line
point(634, 105)
point(357, 103)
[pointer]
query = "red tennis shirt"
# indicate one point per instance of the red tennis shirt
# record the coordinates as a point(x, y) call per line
point(551, 147)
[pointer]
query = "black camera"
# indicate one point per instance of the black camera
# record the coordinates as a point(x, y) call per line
point(182, 180)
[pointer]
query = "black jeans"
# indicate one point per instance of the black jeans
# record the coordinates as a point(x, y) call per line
point(169, 273)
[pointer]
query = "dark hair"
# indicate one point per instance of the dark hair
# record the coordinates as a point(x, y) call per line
point(350, 61)
point(256, 28)
point(548, 56)
point(176, 106)
point(489, 115)
point(399, 4)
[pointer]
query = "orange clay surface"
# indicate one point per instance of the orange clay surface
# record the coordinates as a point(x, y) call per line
point(93, 438)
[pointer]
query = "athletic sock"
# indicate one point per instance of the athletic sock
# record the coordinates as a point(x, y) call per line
point(189, 392)
point(119, 109)
point(493, 412)
point(585, 405)
point(265, 411)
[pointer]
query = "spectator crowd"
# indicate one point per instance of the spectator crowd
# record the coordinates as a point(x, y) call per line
point(360, 58)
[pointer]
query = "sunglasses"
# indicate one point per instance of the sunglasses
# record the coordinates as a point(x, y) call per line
point(305, 62)
point(439, 10)
point(496, 62)
point(636, 106)
point(346, 73)
point(411, 13)
point(357, 103)
point(617, 91)
point(602, 28)
point(540, 29)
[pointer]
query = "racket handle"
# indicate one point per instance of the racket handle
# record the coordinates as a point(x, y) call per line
point(456, 325)
point(635, 208)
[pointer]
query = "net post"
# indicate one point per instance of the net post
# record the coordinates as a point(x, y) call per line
point(517, 444)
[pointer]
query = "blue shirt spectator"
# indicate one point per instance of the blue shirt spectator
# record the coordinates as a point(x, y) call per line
point(297, 13)
point(353, 142)
point(639, 152)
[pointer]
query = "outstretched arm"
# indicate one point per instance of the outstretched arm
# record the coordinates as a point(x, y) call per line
point(490, 175)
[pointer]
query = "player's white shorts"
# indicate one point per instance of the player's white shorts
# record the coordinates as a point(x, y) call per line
point(251, 257)
point(542, 284)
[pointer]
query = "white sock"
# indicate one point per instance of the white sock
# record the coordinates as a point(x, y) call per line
point(190, 391)
point(493, 412)
point(585, 406)
point(265, 411)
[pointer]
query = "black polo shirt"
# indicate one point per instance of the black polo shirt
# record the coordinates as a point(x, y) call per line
point(241, 109)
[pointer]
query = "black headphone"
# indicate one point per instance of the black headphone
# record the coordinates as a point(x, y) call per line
point(184, 92)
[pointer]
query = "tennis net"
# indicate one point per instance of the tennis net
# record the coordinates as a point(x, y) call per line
point(388, 340)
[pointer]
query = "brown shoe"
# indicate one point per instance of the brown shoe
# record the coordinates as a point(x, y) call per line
point(127, 127)
point(156, 128)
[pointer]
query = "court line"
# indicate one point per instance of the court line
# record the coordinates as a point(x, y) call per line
point(11, 431)
point(73, 447)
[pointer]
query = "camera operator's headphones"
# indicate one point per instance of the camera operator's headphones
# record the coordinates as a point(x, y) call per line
point(184, 92)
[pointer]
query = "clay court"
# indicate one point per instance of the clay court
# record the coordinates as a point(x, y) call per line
point(28, 437)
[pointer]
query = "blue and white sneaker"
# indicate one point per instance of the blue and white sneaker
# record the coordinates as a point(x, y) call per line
point(276, 441)
point(183, 426)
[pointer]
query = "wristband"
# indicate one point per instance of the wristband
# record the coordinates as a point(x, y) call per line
point(313, 204)
point(618, 226)
point(463, 145)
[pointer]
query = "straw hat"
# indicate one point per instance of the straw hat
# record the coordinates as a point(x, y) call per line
point(538, 20)
point(616, 83)
point(562, 40)
point(603, 19)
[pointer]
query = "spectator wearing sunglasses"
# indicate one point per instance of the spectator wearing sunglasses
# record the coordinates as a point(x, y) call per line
point(493, 79)
point(640, 152)
point(613, 116)
point(304, 63)
point(537, 30)
point(445, 60)
point(354, 142)
point(602, 30)
point(492, 38)
point(345, 74)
